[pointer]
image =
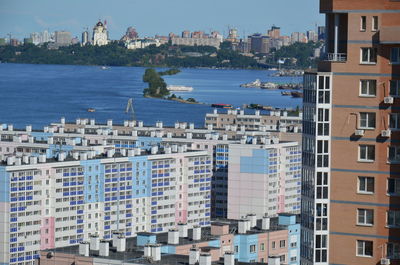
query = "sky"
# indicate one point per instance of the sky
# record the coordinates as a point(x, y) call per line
point(21, 17)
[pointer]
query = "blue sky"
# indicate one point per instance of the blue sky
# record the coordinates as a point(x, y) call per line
point(150, 17)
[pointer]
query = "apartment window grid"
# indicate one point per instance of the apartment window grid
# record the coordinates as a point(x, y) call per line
point(321, 252)
point(321, 183)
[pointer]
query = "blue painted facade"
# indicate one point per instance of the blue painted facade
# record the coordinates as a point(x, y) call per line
point(143, 239)
point(141, 164)
point(93, 175)
point(242, 243)
point(54, 149)
point(147, 142)
point(293, 232)
point(214, 243)
point(41, 136)
point(255, 164)
point(168, 249)
point(4, 185)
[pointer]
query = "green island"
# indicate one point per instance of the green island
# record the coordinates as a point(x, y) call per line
point(166, 55)
point(157, 88)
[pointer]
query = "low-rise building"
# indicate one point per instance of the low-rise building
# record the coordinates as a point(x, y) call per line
point(236, 241)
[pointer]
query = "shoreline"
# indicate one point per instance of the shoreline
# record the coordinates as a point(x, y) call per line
point(147, 66)
point(179, 100)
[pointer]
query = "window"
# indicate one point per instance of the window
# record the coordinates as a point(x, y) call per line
point(375, 23)
point(252, 248)
point(368, 55)
point(282, 243)
point(363, 23)
point(262, 247)
point(364, 248)
point(366, 153)
point(395, 55)
point(394, 88)
point(367, 120)
point(368, 88)
point(393, 218)
point(236, 249)
point(394, 120)
point(366, 184)
point(273, 245)
point(394, 154)
point(283, 258)
point(393, 186)
point(365, 217)
point(393, 250)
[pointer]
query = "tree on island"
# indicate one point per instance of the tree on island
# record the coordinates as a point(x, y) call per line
point(157, 86)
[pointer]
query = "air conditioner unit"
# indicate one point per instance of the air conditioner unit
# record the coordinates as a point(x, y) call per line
point(388, 100)
point(359, 133)
point(385, 261)
point(386, 133)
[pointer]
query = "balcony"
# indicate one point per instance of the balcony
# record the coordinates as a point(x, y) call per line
point(336, 57)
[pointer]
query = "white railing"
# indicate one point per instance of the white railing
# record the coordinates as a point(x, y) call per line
point(337, 57)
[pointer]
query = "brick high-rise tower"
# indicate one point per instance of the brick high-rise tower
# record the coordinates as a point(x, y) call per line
point(351, 142)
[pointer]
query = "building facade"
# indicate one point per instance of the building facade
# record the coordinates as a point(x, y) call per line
point(49, 203)
point(264, 179)
point(350, 203)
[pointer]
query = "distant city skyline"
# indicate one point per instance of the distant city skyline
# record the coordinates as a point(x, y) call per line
point(22, 17)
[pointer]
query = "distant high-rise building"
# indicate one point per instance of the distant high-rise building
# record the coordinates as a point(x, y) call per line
point(62, 38)
point(45, 36)
point(85, 37)
point(100, 34)
point(186, 34)
point(312, 36)
point(274, 32)
point(259, 43)
point(321, 32)
point(298, 37)
point(35, 36)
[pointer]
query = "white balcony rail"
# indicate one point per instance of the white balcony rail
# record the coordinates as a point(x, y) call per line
point(337, 57)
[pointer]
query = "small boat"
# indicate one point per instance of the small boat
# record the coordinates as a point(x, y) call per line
point(105, 68)
point(221, 106)
point(296, 94)
point(91, 110)
point(256, 83)
point(285, 93)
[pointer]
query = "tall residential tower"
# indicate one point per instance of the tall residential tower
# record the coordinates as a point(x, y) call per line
point(351, 145)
